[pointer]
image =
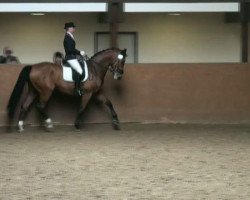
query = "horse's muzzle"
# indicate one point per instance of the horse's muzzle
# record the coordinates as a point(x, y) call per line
point(117, 76)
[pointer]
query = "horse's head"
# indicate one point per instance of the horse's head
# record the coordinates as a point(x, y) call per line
point(112, 59)
point(117, 66)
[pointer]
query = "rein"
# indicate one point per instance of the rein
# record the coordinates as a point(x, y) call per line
point(114, 67)
point(116, 63)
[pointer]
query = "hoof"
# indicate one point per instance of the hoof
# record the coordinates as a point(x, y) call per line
point(20, 130)
point(116, 127)
point(20, 126)
point(49, 124)
point(49, 129)
point(77, 126)
point(77, 130)
point(116, 124)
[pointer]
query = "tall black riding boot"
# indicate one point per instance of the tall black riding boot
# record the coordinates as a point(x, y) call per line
point(77, 90)
point(80, 86)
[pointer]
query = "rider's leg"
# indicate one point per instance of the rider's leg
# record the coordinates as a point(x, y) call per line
point(77, 90)
point(77, 67)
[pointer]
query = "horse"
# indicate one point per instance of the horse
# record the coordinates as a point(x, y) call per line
point(42, 79)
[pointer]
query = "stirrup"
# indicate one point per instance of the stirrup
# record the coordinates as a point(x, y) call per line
point(81, 91)
point(78, 92)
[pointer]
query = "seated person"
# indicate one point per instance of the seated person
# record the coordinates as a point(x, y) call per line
point(2, 59)
point(8, 58)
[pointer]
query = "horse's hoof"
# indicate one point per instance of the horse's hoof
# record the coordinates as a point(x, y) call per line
point(77, 130)
point(77, 126)
point(117, 128)
point(47, 129)
point(20, 126)
point(49, 124)
point(20, 130)
point(116, 124)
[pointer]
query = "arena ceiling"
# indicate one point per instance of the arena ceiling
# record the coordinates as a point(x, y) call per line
point(107, 1)
point(236, 10)
point(128, 6)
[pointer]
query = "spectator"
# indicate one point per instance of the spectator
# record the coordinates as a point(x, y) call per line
point(2, 59)
point(58, 58)
point(7, 57)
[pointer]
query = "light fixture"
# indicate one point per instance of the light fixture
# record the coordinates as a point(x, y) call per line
point(40, 7)
point(174, 14)
point(37, 14)
point(182, 7)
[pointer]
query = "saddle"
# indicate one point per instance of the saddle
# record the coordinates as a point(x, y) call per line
point(69, 74)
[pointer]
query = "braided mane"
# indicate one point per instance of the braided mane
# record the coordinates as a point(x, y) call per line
point(100, 52)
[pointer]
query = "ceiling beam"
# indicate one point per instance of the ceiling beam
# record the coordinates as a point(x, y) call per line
point(114, 10)
point(236, 17)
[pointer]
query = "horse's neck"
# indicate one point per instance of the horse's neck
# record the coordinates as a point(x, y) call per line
point(105, 58)
point(103, 63)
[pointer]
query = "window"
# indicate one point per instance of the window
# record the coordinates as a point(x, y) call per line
point(128, 40)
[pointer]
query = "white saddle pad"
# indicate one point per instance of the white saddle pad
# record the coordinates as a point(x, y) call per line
point(67, 73)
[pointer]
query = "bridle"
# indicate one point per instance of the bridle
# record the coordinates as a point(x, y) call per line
point(114, 68)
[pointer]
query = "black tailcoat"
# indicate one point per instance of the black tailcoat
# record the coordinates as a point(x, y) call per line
point(70, 47)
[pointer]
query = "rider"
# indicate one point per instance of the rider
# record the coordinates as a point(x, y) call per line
point(71, 55)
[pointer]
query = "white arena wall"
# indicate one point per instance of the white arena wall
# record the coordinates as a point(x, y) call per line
point(187, 38)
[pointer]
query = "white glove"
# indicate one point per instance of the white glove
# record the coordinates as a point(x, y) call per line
point(82, 53)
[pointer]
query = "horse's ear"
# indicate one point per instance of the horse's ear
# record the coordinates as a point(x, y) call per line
point(124, 52)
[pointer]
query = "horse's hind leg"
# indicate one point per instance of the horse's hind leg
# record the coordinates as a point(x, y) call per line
point(41, 106)
point(102, 98)
point(25, 105)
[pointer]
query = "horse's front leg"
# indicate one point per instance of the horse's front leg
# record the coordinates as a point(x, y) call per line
point(85, 99)
point(102, 98)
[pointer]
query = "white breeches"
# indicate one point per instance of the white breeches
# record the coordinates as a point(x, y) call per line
point(75, 65)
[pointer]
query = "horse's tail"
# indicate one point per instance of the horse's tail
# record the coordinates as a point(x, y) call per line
point(18, 90)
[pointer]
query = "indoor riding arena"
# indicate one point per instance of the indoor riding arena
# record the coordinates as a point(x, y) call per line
point(183, 102)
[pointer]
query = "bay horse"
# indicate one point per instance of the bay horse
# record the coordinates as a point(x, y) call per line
point(43, 78)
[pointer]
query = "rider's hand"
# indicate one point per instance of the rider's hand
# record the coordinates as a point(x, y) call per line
point(86, 57)
point(82, 53)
